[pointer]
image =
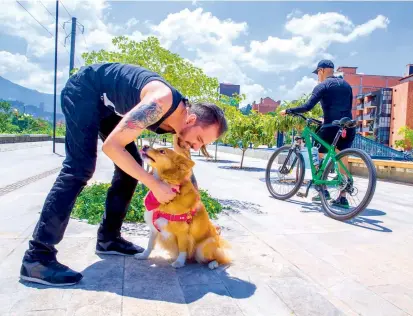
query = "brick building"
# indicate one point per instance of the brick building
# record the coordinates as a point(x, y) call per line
point(363, 84)
point(382, 112)
point(402, 109)
point(266, 105)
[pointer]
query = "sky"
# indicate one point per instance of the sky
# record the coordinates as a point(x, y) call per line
point(270, 48)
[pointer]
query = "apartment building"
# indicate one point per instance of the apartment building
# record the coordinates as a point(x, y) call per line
point(266, 105)
point(362, 84)
point(381, 113)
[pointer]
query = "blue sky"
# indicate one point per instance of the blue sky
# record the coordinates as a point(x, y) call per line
point(269, 48)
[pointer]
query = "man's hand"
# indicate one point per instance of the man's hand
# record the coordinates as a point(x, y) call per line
point(163, 192)
point(283, 113)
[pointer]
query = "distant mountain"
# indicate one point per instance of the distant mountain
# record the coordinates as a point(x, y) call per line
point(12, 91)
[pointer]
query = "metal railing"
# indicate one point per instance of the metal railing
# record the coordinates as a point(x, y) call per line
point(379, 151)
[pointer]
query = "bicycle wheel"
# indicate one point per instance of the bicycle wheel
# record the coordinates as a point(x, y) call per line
point(287, 175)
point(362, 181)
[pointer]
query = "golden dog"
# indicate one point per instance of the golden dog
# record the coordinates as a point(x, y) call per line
point(182, 226)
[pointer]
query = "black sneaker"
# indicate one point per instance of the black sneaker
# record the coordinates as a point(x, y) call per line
point(49, 273)
point(317, 197)
point(342, 202)
point(118, 246)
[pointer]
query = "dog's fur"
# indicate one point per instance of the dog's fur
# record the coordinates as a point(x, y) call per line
point(199, 240)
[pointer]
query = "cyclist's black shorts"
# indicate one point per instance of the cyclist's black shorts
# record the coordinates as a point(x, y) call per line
point(328, 133)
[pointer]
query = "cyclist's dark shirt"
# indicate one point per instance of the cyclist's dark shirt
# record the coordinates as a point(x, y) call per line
point(335, 96)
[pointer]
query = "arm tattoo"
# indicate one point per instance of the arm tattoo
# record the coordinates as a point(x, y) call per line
point(143, 116)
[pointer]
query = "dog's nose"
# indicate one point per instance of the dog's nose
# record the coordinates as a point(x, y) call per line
point(145, 147)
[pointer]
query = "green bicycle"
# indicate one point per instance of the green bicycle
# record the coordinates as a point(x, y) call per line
point(331, 173)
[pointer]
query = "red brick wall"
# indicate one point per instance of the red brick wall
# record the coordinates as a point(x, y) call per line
point(402, 110)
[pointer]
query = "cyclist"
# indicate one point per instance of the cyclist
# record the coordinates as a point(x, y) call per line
point(336, 98)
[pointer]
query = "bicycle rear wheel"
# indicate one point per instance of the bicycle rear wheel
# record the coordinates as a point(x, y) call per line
point(285, 173)
point(359, 186)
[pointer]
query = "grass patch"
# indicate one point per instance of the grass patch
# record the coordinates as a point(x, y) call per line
point(90, 204)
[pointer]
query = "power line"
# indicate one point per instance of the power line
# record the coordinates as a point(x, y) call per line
point(53, 17)
point(84, 39)
point(43, 25)
point(65, 8)
point(34, 18)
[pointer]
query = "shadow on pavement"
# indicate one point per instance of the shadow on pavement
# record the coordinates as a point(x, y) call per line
point(156, 280)
point(219, 161)
point(247, 169)
point(361, 220)
point(236, 206)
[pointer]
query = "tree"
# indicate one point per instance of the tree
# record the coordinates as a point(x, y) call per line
point(406, 143)
point(289, 123)
point(245, 130)
point(6, 125)
point(191, 81)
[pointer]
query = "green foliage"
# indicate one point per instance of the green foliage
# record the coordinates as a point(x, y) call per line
point(406, 142)
point(13, 122)
point(90, 204)
point(287, 123)
point(179, 72)
point(245, 130)
point(6, 125)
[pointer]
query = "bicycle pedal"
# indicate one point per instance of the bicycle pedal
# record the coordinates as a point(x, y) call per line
point(301, 195)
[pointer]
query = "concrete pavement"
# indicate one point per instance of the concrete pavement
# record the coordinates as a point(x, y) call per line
point(289, 259)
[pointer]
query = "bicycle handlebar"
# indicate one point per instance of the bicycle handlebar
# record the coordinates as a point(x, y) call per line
point(307, 119)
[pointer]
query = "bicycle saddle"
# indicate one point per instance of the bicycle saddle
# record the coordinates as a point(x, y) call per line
point(345, 122)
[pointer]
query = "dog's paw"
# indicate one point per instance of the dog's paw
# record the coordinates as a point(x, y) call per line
point(178, 264)
point(213, 265)
point(142, 256)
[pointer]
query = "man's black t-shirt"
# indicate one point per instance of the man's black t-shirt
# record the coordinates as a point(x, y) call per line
point(335, 96)
point(120, 85)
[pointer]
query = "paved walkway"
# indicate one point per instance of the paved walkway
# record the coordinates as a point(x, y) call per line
point(289, 259)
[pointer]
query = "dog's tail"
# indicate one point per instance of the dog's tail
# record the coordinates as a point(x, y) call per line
point(213, 248)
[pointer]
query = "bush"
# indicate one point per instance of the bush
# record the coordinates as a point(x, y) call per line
point(90, 204)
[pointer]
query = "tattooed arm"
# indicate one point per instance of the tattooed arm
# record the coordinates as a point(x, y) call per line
point(186, 153)
point(152, 107)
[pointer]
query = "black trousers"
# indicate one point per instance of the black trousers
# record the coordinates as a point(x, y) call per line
point(86, 119)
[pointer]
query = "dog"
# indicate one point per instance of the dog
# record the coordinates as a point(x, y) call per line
point(182, 226)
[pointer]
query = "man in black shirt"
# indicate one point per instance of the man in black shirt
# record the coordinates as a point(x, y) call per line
point(115, 102)
point(336, 98)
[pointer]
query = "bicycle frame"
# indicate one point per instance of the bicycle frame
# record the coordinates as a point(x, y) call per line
point(307, 134)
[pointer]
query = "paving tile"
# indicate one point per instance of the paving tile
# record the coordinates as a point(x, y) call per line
point(363, 300)
point(302, 297)
point(399, 295)
point(211, 299)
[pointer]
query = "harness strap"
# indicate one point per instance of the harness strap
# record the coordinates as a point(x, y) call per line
point(151, 204)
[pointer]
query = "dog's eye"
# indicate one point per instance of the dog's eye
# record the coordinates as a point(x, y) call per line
point(162, 152)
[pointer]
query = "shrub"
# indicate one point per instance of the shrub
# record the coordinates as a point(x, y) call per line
point(90, 204)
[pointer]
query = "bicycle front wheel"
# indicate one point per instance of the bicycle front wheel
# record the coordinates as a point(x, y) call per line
point(285, 173)
point(357, 186)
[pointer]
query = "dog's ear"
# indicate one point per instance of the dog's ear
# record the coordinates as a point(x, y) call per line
point(184, 163)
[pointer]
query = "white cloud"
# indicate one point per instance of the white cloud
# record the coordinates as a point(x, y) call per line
point(19, 69)
point(212, 42)
point(311, 37)
point(35, 69)
point(304, 86)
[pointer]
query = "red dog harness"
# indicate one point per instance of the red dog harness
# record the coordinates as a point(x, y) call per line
point(152, 204)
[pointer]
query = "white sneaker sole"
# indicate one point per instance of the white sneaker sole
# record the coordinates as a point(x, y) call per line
point(39, 281)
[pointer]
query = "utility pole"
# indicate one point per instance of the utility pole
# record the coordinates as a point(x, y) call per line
point(72, 45)
point(73, 41)
point(55, 77)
